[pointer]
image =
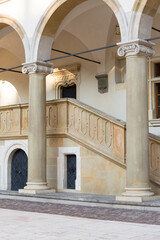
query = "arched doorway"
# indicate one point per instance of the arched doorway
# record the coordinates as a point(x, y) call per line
point(19, 169)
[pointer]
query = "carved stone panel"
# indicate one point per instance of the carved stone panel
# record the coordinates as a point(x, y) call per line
point(108, 134)
point(66, 76)
point(52, 116)
point(119, 143)
point(84, 123)
point(100, 130)
point(10, 122)
point(154, 157)
point(25, 112)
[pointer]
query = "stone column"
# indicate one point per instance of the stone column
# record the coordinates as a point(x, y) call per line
point(136, 53)
point(37, 126)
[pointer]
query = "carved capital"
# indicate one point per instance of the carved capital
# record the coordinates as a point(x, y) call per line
point(137, 47)
point(37, 67)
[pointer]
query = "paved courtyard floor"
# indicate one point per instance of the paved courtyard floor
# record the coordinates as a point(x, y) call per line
point(21, 225)
point(26, 220)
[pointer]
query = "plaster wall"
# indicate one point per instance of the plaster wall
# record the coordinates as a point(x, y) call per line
point(19, 81)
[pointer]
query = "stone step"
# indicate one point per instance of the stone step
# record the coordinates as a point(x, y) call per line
point(82, 200)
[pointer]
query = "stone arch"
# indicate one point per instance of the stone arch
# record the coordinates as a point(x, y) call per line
point(7, 20)
point(55, 13)
point(143, 13)
point(6, 169)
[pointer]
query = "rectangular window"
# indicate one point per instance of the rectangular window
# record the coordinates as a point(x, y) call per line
point(158, 100)
point(157, 70)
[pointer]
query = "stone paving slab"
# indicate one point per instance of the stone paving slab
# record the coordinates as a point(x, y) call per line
point(124, 215)
point(20, 225)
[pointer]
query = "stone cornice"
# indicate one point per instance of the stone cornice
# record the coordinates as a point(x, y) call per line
point(37, 67)
point(136, 47)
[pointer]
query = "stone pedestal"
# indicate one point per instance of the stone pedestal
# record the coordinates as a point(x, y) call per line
point(37, 127)
point(136, 53)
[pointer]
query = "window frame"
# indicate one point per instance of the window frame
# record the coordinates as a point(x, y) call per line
point(153, 80)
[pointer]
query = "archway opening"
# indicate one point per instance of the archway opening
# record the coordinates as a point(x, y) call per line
point(13, 53)
point(77, 26)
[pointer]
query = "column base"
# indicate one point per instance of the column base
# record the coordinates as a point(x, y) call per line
point(136, 195)
point(36, 188)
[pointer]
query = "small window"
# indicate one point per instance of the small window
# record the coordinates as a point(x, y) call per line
point(158, 100)
point(68, 92)
point(157, 70)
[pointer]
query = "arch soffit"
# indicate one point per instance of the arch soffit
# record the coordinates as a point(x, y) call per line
point(143, 13)
point(20, 31)
point(56, 13)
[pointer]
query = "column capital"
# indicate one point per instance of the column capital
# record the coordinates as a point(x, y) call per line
point(136, 47)
point(37, 67)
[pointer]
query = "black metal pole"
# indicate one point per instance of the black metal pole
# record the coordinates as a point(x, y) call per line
point(10, 70)
point(87, 59)
point(156, 29)
point(79, 53)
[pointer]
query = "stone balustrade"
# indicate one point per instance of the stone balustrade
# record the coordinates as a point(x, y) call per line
point(154, 158)
point(70, 118)
point(102, 132)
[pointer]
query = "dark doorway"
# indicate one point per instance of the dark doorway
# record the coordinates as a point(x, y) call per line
point(19, 170)
point(71, 171)
point(68, 92)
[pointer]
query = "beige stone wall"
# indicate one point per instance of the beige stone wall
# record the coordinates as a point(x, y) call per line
point(52, 154)
point(98, 174)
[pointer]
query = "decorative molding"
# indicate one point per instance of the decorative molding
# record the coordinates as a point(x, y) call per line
point(102, 83)
point(137, 47)
point(37, 67)
point(154, 122)
point(66, 76)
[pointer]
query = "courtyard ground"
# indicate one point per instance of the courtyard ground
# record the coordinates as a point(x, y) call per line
point(28, 220)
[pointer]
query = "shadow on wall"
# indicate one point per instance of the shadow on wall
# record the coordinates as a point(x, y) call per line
point(8, 94)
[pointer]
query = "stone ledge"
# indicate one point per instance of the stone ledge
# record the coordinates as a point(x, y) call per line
point(137, 199)
point(37, 191)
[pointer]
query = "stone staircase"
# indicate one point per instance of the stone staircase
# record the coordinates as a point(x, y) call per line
point(87, 126)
